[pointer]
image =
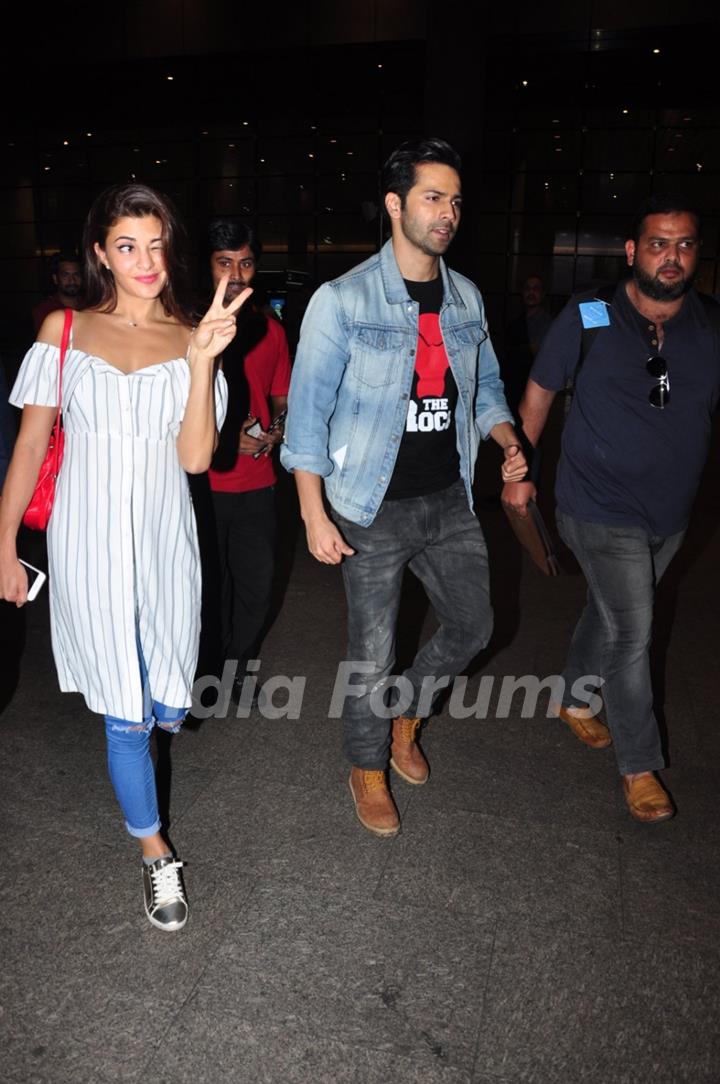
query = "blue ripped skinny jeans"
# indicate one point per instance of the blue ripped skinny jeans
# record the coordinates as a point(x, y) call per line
point(130, 764)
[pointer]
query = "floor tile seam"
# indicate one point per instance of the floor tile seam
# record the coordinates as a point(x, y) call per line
point(481, 1014)
point(210, 958)
point(621, 893)
point(393, 843)
point(414, 1032)
point(175, 821)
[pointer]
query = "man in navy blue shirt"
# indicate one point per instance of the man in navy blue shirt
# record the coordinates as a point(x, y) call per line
point(646, 367)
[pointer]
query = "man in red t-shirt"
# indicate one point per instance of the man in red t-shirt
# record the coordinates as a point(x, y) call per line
point(257, 369)
point(66, 273)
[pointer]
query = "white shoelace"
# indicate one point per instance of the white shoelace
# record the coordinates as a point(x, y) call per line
point(166, 883)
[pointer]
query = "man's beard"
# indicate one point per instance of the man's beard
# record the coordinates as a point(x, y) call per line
point(70, 291)
point(655, 288)
point(425, 241)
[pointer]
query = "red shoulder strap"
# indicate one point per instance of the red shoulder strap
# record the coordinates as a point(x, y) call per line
point(67, 327)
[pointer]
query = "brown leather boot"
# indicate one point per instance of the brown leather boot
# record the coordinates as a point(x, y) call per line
point(584, 725)
point(406, 757)
point(373, 802)
point(647, 799)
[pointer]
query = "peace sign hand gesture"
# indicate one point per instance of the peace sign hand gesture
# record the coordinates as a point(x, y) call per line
point(217, 328)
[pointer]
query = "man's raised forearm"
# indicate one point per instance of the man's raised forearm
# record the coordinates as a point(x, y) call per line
point(534, 409)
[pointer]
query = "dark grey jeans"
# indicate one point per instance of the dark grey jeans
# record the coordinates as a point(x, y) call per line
point(440, 540)
point(622, 566)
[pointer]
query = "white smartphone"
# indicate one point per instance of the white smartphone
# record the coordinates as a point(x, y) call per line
point(255, 429)
point(34, 583)
point(280, 420)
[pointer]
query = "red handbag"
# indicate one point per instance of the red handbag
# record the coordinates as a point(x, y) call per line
point(38, 512)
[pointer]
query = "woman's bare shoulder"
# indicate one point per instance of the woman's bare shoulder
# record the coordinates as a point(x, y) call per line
point(51, 328)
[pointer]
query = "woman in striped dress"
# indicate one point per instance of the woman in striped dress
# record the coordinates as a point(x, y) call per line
point(142, 401)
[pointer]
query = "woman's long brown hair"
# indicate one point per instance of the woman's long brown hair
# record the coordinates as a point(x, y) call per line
point(136, 201)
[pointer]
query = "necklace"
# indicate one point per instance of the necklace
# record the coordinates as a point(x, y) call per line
point(126, 320)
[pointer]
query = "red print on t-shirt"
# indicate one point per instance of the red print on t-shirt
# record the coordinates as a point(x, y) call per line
point(432, 363)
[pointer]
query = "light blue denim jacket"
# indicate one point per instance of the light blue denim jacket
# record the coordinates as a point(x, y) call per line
point(353, 375)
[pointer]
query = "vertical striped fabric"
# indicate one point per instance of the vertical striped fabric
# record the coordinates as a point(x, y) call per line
point(122, 542)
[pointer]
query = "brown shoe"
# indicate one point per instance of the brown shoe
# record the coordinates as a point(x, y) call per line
point(647, 799)
point(373, 802)
point(406, 757)
point(585, 726)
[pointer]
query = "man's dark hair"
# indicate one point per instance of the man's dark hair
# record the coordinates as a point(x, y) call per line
point(63, 257)
point(398, 173)
point(231, 234)
point(663, 203)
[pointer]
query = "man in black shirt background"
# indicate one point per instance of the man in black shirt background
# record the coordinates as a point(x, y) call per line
point(523, 340)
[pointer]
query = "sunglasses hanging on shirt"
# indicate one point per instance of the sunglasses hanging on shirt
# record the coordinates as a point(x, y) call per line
point(659, 396)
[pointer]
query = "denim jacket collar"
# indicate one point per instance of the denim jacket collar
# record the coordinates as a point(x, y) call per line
point(394, 284)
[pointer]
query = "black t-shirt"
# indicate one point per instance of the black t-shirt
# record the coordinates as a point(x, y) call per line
point(427, 459)
point(623, 461)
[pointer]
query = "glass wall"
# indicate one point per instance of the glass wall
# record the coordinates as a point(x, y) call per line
point(304, 172)
point(572, 145)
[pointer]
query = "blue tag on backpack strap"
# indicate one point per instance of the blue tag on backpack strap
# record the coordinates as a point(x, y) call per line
point(594, 314)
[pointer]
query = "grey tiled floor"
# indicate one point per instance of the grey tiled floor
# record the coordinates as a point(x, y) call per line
point(521, 928)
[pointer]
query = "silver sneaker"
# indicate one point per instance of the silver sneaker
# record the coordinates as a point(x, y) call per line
point(165, 902)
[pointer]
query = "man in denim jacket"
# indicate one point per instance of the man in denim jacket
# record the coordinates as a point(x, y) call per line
point(394, 384)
